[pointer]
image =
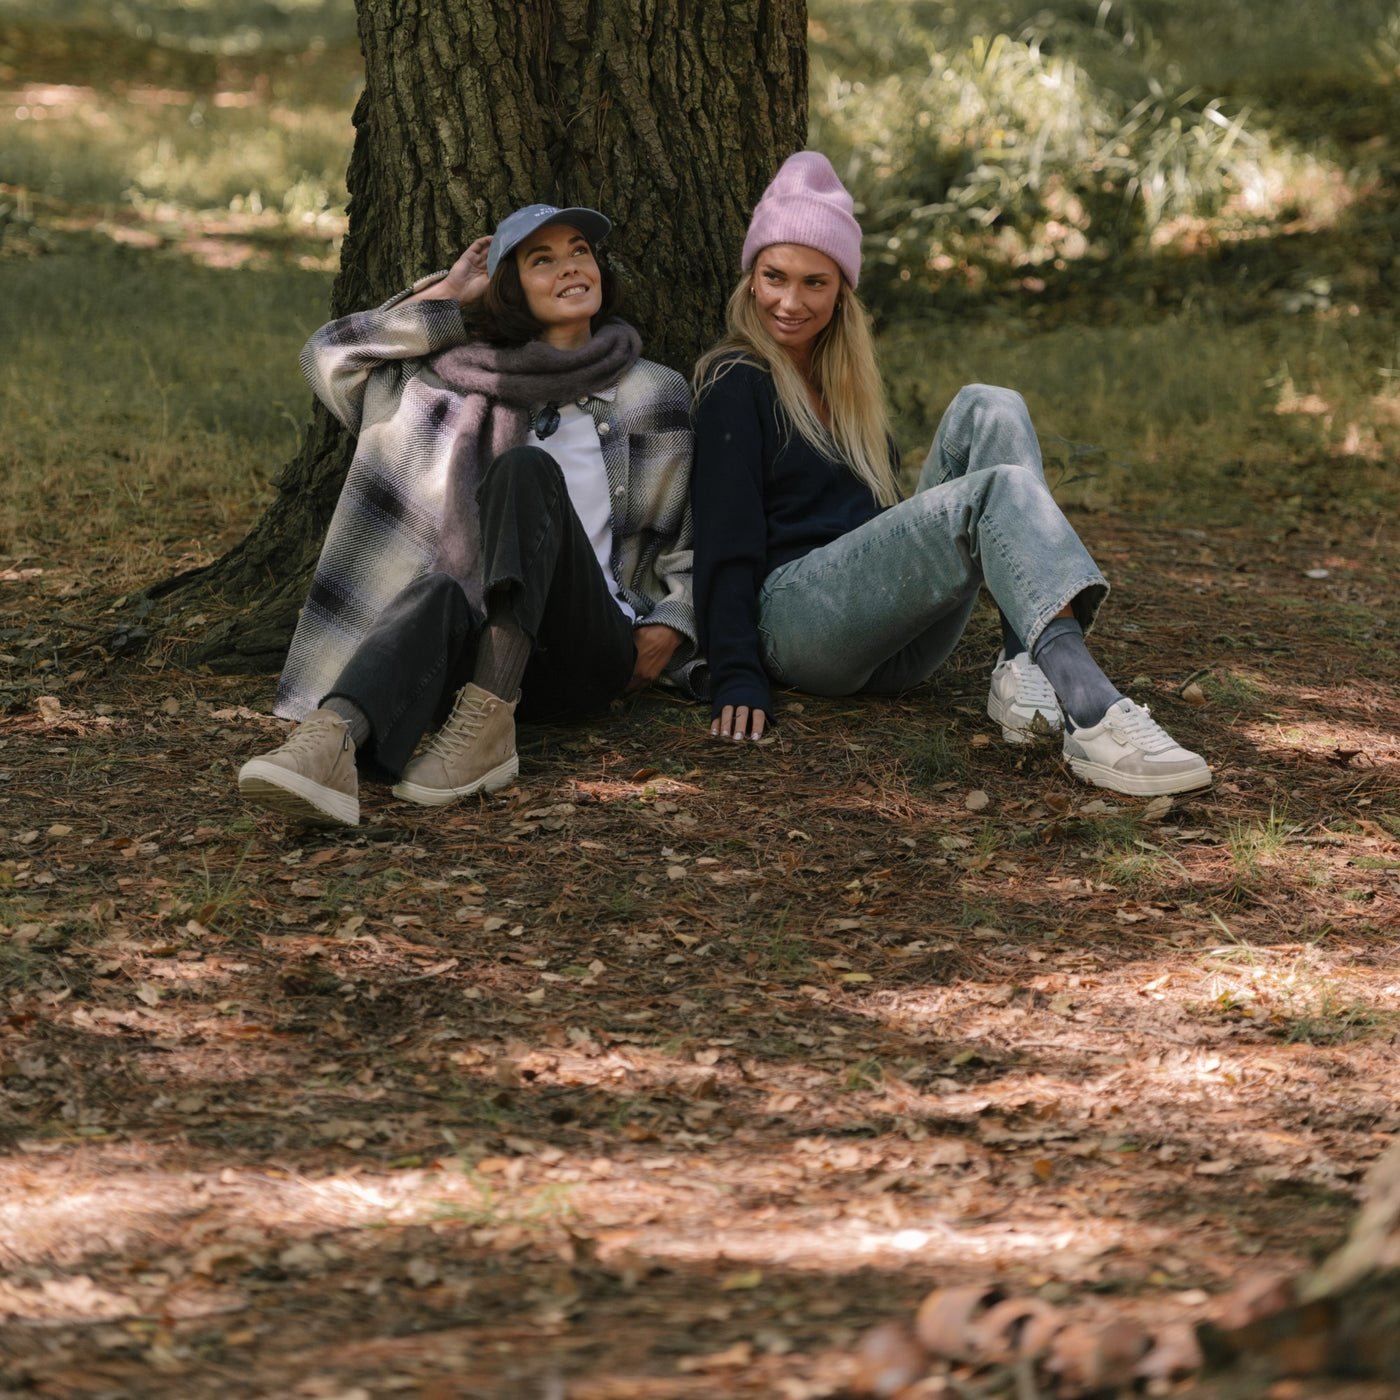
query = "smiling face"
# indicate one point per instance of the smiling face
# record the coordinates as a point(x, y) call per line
point(795, 289)
point(562, 283)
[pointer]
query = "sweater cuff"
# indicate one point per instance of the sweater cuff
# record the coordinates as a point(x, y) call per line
point(756, 697)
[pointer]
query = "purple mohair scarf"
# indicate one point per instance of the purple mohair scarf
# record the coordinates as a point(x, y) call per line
point(499, 386)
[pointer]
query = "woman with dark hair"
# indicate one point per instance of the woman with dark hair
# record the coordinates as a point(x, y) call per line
point(514, 528)
point(811, 571)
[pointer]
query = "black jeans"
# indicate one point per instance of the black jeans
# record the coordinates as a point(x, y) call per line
point(422, 648)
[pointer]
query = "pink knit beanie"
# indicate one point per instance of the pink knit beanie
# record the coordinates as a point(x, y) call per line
point(807, 203)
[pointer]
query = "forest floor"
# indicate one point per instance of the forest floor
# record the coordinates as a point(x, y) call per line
point(665, 1073)
point(671, 1068)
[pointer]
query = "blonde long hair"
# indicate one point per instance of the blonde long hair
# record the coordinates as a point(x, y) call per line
point(845, 375)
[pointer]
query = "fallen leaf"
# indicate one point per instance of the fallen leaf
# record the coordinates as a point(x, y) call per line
point(1017, 1327)
point(1089, 1358)
point(1175, 1352)
point(977, 801)
point(1255, 1297)
point(945, 1323)
point(887, 1361)
point(1219, 1167)
point(730, 1359)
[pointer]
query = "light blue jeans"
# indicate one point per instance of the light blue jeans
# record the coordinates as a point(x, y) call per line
point(881, 608)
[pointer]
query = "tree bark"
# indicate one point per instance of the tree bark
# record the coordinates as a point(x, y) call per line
point(669, 115)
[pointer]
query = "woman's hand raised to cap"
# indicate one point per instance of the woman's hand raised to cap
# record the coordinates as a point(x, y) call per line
point(466, 279)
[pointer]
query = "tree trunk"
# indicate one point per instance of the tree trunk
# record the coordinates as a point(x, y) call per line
point(669, 115)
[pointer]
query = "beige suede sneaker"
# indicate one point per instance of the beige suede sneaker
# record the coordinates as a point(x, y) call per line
point(311, 778)
point(473, 752)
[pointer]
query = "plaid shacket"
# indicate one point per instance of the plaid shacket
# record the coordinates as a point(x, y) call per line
point(365, 368)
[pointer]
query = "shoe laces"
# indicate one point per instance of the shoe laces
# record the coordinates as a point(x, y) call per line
point(314, 729)
point(461, 729)
point(1033, 688)
point(1137, 727)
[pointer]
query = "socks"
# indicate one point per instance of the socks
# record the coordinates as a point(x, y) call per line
point(1084, 691)
point(502, 653)
point(1011, 644)
point(352, 714)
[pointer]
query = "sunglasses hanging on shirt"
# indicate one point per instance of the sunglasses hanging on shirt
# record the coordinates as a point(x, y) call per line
point(547, 421)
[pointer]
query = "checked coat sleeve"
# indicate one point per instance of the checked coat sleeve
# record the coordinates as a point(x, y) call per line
point(648, 447)
point(384, 533)
point(342, 358)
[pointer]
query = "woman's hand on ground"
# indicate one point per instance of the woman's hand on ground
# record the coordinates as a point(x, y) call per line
point(738, 722)
point(656, 644)
point(466, 279)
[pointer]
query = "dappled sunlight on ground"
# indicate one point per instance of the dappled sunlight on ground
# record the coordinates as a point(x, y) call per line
point(507, 1079)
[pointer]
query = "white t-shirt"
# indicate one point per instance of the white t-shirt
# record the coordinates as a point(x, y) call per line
point(574, 445)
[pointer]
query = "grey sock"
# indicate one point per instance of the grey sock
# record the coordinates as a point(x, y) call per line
point(353, 716)
point(1011, 644)
point(1084, 690)
point(502, 653)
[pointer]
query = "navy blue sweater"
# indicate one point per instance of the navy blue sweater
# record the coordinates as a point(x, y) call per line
point(761, 496)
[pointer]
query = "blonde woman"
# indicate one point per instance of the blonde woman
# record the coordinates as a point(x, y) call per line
point(810, 570)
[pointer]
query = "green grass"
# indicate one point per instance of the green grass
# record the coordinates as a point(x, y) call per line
point(145, 403)
point(1298, 997)
point(150, 390)
point(1188, 405)
point(1233, 690)
point(779, 951)
point(928, 755)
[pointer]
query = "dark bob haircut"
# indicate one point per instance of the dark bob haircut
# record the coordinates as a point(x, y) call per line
point(502, 316)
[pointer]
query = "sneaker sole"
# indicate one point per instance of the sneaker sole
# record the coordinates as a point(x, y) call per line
point(294, 797)
point(1139, 784)
point(1012, 734)
point(493, 781)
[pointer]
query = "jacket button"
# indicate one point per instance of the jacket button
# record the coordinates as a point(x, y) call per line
point(604, 429)
point(621, 491)
point(583, 403)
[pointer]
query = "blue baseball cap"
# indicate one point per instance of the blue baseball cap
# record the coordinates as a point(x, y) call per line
point(515, 228)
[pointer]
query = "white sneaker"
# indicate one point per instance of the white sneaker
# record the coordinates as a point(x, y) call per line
point(1128, 751)
point(1021, 695)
